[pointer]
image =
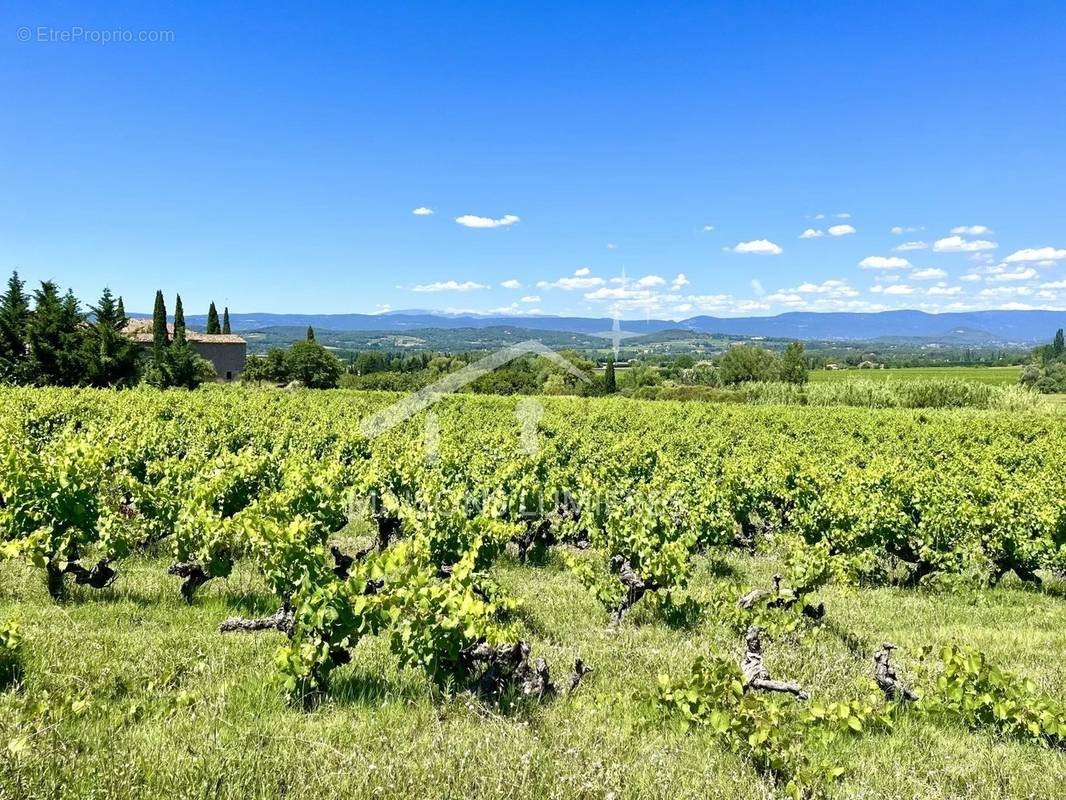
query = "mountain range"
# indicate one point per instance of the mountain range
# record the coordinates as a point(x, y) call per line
point(987, 327)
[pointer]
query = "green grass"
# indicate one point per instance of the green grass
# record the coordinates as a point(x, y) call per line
point(167, 707)
point(998, 376)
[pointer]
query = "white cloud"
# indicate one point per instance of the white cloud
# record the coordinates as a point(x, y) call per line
point(422, 211)
point(756, 287)
point(830, 288)
point(982, 258)
point(785, 298)
point(511, 284)
point(761, 247)
point(530, 298)
point(473, 221)
point(608, 293)
point(582, 272)
point(1006, 291)
point(970, 277)
point(651, 280)
point(956, 244)
point(449, 286)
point(843, 215)
point(612, 246)
point(1054, 285)
point(511, 310)
point(971, 230)
point(841, 230)
point(1036, 254)
point(708, 228)
point(928, 274)
point(898, 288)
point(943, 290)
point(899, 230)
point(679, 280)
point(570, 284)
point(811, 233)
point(746, 306)
point(884, 262)
point(1000, 274)
point(911, 246)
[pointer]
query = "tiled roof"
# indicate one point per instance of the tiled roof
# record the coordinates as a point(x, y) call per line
point(140, 330)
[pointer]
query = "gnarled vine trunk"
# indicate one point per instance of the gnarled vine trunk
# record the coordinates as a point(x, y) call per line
point(756, 676)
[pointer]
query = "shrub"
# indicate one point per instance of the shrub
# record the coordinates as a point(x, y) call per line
point(742, 364)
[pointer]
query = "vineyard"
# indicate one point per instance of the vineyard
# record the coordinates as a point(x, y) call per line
point(252, 593)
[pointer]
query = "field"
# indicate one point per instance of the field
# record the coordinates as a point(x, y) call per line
point(997, 376)
point(924, 528)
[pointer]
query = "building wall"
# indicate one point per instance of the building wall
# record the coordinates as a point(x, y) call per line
point(227, 357)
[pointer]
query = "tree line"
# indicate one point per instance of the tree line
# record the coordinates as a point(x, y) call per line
point(1047, 370)
point(314, 366)
point(48, 339)
point(305, 363)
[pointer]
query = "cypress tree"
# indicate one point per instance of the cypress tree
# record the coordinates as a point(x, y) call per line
point(160, 338)
point(608, 377)
point(120, 312)
point(310, 334)
point(14, 317)
point(179, 319)
point(225, 320)
point(212, 320)
point(1059, 346)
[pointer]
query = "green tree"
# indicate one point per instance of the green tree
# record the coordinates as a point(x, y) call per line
point(121, 311)
point(185, 368)
point(1030, 376)
point(609, 379)
point(743, 363)
point(310, 334)
point(794, 364)
point(1047, 371)
point(160, 337)
point(111, 357)
point(313, 365)
point(270, 367)
point(212, 320)
point(640, 375)
point(14, 319)
point(225, 320)
point(55, 338)
point(277, 369)
point(179, 318)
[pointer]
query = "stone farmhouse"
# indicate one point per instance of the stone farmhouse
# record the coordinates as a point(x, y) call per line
point(226, 352)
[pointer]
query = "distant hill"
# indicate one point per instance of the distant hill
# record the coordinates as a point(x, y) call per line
point(451, 340)
point(407, 321)
point(985, 327)
point(1016, 327)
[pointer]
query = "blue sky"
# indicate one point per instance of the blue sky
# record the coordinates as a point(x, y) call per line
point(271, 159)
